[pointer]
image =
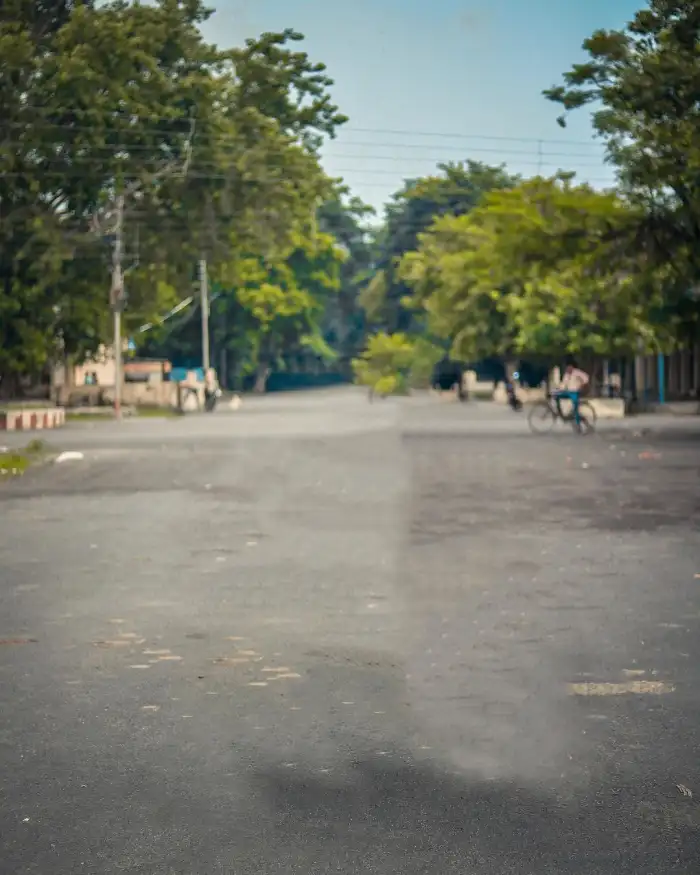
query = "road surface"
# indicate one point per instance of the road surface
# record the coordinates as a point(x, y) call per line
point(318, 635)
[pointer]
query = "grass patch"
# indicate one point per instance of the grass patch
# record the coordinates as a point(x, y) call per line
point(14, 463)
point(39, 404)
point(108, 413)
point(157, 412)
point(72, 416)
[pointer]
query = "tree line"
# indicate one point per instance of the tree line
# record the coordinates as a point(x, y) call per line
point(483, 263)
point(217, 154)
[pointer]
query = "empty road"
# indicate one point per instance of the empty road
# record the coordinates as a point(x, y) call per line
point(318, 635)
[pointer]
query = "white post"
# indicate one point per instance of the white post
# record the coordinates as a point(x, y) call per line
point(117, 304)
point(204, 299)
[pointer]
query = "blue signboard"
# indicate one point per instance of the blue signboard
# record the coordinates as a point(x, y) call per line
point(179, 375)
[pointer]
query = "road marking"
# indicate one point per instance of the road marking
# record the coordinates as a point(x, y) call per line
point(150, 707)
point(639, 688)
point(139, 666)
point(257, 684)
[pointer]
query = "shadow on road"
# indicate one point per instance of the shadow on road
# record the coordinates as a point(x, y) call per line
point(418, 820)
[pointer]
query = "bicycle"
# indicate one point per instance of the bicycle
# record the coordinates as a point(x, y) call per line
point(544, 414)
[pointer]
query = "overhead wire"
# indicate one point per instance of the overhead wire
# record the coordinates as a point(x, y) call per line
point(397, 177)
point(185, 122)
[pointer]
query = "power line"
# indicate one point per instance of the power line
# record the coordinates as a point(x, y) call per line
point(462, 149)
point(454, 136)
point(113, 150)
point(48, 173)
point(123, 123)
point(229, 142)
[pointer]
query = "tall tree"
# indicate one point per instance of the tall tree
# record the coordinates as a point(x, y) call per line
point(90, 99)
point(537, 270)
point(642, 82)
point(97, 100)
point(455, 190)
point(344, 322)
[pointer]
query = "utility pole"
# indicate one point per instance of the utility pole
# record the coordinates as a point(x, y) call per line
point(117, 296)
point(204, 299)
point(99, 220)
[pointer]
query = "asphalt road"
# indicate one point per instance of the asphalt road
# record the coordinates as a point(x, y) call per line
point(318, 635)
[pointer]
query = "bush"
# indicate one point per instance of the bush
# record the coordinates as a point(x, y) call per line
point(391, 364)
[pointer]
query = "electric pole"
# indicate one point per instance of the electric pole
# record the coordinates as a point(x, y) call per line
point(204, 300)
point(117, 296)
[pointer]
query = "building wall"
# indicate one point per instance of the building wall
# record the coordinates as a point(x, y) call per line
point(681, 376)
point(102, 364)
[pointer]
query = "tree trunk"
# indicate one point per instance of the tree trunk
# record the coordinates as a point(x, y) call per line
point(261, 376)
point(68, 373)
point(223, 368)
point(11, 386)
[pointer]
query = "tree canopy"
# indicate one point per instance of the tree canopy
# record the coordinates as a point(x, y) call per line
point(217, 154)
point(217, 151)
point(536, 269)
point(642, 83)
point(455, 189)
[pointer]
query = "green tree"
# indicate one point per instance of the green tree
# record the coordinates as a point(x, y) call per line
point(90, 100)
point(344, 322)
point(94, 101)
point(455, 190)
point(285, 302)
point(642, 82)
point(267, 312)
point(286, 85)
point(537, 270)
point(385, 363)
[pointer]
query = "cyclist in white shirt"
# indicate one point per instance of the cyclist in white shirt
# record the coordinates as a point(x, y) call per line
point(572, 385)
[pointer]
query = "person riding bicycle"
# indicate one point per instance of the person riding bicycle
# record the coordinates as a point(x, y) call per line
point(573, 384)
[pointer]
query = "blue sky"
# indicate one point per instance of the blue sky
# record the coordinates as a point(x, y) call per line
point(448, 80)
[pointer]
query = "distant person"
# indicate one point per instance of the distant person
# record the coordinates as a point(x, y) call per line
point(211, 389)
point(574, 383)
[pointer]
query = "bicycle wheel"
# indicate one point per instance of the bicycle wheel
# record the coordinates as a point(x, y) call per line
point(541, 418)
point(587, 419)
